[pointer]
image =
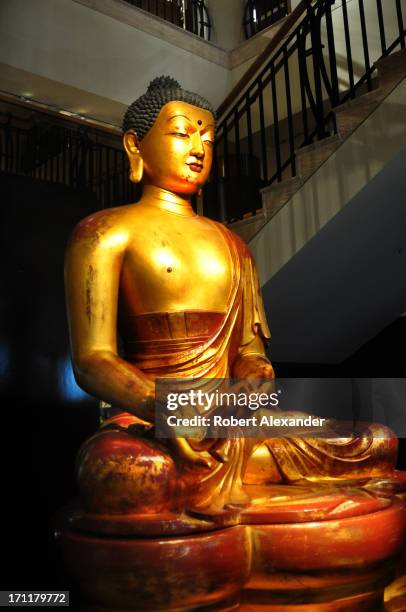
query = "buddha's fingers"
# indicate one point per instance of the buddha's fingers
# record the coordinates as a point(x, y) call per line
point(186, 453)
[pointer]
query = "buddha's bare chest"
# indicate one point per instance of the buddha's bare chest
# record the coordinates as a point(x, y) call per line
point(173, 271)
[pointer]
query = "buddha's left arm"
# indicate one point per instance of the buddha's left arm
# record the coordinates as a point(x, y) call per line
point(252, 361)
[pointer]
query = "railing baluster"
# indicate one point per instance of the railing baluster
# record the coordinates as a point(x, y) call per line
point(123, 180)
point(249, 133)
point(301, 60)
point(116, 177)
point(332, 57)
point(381, 26)
point(89, 173)
point(58, 159)
point(237, 142)
point(317, 57)
point(348, 48)
point(201, 14)
point(365, 43)
point(289, 109)
point(70, 167)
point(2, 158)
point(195, 20)
point(107, 196)
point(110, 174)
point(8, 147)
point(256, 17)
point(223, 185)
point(276, 123)
point(64, 144)
point(250, 146)
point(104, 176)
point(99, 171)
point(400, 23)
point(53, 168)
point(17, 153)
point(262, 130)
point(226, 161)
point(249, 25)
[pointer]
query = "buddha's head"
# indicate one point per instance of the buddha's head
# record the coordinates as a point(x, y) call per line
point(169, 136)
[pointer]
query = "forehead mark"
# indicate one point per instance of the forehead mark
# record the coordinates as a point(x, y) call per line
point(199, 121)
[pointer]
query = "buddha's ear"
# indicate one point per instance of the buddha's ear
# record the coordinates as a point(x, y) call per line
point(131, 142)
point(131, 146)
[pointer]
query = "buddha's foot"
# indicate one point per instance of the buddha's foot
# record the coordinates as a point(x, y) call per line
point(371, 454)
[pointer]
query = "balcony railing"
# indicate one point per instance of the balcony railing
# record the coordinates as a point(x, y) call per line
point(259, 14)
point(61, 152)
point(190, 15)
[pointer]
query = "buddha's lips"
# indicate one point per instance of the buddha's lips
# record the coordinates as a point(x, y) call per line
point(196, 167)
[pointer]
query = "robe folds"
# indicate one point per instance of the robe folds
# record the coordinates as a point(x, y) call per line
point(205, 346)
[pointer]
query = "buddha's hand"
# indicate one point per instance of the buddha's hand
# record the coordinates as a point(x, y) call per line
point(253, 366)
point(188, 455)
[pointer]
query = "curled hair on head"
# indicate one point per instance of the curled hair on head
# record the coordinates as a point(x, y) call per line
point(141, 114)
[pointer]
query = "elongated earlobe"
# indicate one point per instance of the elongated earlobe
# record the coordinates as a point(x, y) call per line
point(131, 147)
point(136, 169)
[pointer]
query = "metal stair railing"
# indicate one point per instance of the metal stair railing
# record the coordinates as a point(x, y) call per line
point(327, 58)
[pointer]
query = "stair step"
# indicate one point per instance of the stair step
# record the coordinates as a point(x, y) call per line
point(276, 195)
point(392, 69)
point(247, 228)
point(352, 113)
point(310, 158)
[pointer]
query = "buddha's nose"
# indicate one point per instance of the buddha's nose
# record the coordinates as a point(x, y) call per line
point(197, 148)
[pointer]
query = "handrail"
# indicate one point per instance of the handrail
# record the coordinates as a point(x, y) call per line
point(285, 28)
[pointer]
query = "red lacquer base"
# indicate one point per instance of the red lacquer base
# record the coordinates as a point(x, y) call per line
point(313, 549)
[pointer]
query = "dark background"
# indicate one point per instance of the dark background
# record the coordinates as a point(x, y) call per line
point(45, 416)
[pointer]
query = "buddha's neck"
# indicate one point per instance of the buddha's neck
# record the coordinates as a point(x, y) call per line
point(167, 201)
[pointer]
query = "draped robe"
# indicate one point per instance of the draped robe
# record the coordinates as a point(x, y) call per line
point(204, 346)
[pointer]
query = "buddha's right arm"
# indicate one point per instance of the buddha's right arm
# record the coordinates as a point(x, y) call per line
point(92, 271)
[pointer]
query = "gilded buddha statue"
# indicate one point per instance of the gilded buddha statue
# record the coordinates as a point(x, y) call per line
point(181, 291)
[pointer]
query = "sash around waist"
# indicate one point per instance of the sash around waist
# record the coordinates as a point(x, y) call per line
point(167, 332)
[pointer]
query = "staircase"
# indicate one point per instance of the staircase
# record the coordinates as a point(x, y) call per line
point(348, 116)
point(327, 69)
point(329, 230)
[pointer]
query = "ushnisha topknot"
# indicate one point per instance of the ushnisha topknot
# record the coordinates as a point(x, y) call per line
point(141, 114)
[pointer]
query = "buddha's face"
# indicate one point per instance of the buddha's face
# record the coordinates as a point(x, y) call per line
point(177, 151)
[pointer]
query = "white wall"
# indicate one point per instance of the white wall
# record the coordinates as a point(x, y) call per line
point(66, 42)
point(227, 20)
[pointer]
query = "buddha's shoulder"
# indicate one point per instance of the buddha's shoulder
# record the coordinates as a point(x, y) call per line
point(234, 238)
point(102, 224)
